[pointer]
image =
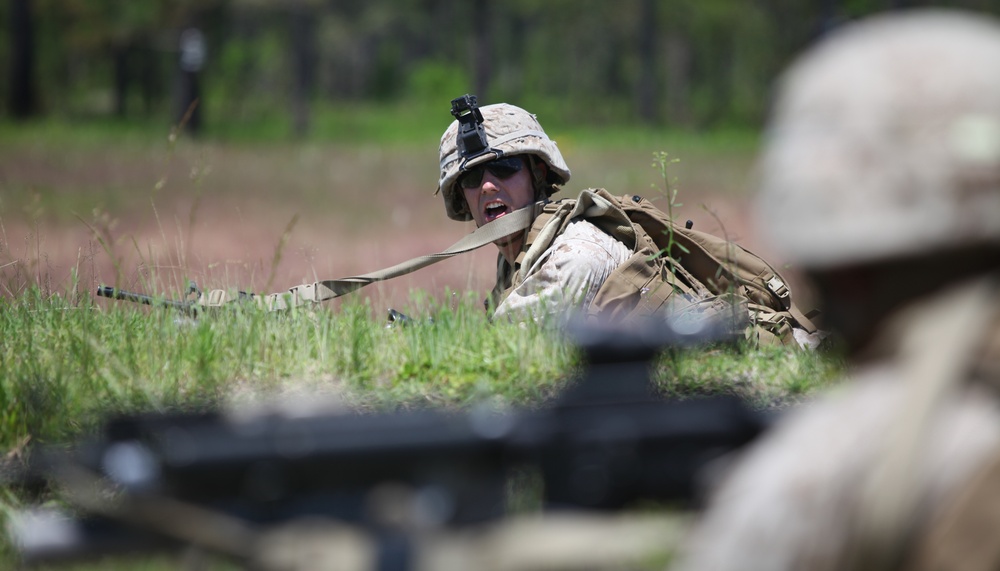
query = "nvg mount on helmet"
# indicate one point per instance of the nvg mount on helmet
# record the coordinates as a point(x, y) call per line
point(471, 134)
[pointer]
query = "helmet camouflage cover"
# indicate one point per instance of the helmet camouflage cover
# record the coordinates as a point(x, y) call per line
point(510, 131)
point(885, 142)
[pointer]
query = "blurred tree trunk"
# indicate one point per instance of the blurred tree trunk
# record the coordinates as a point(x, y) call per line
point(678, 53)
point(150, 83)
point(792, 27)
point(482, 48)
point(120, 55)
point(646, 92)
point(720, 78)
point(23, 101)
point(303, 31)
point(519, 28)
point(614, 78)
point(192, 58)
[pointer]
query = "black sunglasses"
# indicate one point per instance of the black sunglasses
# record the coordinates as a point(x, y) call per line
point(500, 168)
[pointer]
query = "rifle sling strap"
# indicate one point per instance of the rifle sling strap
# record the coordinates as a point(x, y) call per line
point(328, 289)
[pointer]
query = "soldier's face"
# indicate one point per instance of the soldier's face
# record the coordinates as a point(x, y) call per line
point(496, 189)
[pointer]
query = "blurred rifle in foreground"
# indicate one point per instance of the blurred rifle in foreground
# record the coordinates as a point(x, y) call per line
point(387, 491)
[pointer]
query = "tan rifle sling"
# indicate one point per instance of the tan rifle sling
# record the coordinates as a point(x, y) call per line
point(328, 289)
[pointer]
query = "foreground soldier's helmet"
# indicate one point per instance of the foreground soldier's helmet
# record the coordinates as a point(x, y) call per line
point(885, 142)
point(510, 131)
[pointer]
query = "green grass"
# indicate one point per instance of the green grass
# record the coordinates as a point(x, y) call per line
point(764, 377)
point(65, 365)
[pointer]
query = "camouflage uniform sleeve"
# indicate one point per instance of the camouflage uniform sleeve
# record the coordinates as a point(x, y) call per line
point(567, 276)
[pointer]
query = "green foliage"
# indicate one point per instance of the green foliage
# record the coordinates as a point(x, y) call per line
point(430, 83)
point(703, 64)
point(244, 76)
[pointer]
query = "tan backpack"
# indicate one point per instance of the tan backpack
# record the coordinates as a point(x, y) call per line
point(673, 268)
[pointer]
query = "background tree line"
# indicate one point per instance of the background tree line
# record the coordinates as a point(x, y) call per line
point(682, 63)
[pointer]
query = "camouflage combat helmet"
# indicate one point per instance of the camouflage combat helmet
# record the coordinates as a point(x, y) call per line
point(885, 142)
point(510, 131)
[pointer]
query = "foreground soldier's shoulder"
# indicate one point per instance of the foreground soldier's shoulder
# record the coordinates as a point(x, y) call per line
point(795, 497)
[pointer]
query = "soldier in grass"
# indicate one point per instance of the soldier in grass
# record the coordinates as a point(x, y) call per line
point(881, 178)
point(521, 166)
point(589, 255)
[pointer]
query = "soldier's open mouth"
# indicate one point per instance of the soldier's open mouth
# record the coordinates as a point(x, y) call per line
point(494, 210)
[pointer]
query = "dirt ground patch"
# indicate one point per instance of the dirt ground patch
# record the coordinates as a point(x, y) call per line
point(265, 219)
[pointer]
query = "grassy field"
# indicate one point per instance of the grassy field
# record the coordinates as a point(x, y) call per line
point(67, 364)
point(133, 207)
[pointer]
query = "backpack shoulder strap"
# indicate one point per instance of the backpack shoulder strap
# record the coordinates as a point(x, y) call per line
point(508, 274)
point(550, 220)
point(595, 205)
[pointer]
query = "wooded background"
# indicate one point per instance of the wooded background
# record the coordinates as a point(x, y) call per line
point(694, 64)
